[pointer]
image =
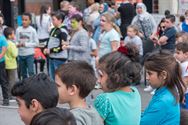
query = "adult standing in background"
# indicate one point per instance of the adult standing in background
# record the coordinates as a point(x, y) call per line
point(2, 26)
point(144, 21)
point(127, 13)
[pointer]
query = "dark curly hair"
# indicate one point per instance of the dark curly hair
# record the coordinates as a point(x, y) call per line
point(122, 69)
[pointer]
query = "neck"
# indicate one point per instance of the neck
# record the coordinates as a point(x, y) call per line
point(126, 89)
point(108, 28)
point(78, 103)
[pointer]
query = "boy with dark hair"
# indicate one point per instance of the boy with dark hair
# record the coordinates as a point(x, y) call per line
point(75, 80)
point(34, 94)
point(27, 40)
point(10, 57)
point(58, 34)
point(167, 41)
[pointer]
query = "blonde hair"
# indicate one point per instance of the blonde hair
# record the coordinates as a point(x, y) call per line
point(94, 7)
point(111, 19)
point(134, 27)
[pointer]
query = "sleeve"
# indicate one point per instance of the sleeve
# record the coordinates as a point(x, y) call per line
point(17, 36)
point(103, 106)
point(93, 45)
point(35, 41)
point(170, 33)
point(115, 37)
point(154, 114)
point(83, 41)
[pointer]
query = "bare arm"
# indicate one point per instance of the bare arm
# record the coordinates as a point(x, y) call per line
point(114, 45)
point(162, 40)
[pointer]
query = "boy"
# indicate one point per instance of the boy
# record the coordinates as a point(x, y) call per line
point(75, 80)
point(3, 77)
point(10, 57)
point(27, 40)
point(167, 41)
point(57, 56)
point(181, 54)
point(33, 95)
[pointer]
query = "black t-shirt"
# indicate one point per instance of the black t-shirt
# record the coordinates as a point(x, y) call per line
point(171, 34)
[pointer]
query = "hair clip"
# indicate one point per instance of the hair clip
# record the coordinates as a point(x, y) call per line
point(123, 50)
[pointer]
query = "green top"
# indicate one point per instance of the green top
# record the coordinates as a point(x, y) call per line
point(119, 107)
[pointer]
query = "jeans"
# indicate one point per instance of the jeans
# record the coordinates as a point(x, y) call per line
point(4, 81)
point(53, 65)
point(26, 65)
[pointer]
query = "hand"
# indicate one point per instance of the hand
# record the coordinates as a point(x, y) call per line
point(64, 42)
point(46, 51)
point(64, 47)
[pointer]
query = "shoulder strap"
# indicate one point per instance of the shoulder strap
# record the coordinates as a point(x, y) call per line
point(142, 27)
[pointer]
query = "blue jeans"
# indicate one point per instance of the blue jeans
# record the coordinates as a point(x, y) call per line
point(26, 65)
point(53, 65)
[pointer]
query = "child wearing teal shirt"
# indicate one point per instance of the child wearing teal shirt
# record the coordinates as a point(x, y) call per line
point(165, 77)
point(120, 104)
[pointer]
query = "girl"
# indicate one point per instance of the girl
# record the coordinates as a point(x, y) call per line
point(132, 36)
point(165, 77)
point(117, 71)
point(110, 39)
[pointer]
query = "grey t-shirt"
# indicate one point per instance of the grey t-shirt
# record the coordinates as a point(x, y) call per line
point(87, 116)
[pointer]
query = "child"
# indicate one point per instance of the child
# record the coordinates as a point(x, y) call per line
point(181, 54)
point(121, 103)
point(27, 40)
point(57, 56)
point(33, 95)
point(3, 77)
point(75, 80)
point(93, 46)
point(40, 58)
point(54, 116)
point(132, 36)
point(165, 77)
point(10, 57)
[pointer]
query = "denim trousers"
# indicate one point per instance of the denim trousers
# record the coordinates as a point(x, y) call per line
point(53, 65)
point(26, 65)
point(4, 81)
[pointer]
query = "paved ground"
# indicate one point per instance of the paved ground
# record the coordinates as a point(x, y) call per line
point(9, 115)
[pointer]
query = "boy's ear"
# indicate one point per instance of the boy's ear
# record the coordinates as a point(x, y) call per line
point(35, 106)
point(73, 90)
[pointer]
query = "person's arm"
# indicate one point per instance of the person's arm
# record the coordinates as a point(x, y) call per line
point(2, 54)
point(115, 45)
point(163, 40)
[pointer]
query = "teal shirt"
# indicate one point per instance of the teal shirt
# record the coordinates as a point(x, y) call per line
point(119, 107)
point(3, 43)
point(162, 110)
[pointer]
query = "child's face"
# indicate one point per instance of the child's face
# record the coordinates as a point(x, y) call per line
point(155, 79)
point(131, 32)
point(102, 79)
point(26, 21)
point(56, 22)
point(168, 23)
point(180, 56)
point(12, 36)
point(26, 114)
point(62, 90)
point(74, 24)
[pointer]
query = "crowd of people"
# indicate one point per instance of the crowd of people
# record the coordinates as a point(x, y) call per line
point(104, 46)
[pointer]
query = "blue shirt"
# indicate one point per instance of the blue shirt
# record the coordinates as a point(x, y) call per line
point(119, 107)
point(162, 110)
point(3, 43)
point(170, 33)
point(184, 27)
